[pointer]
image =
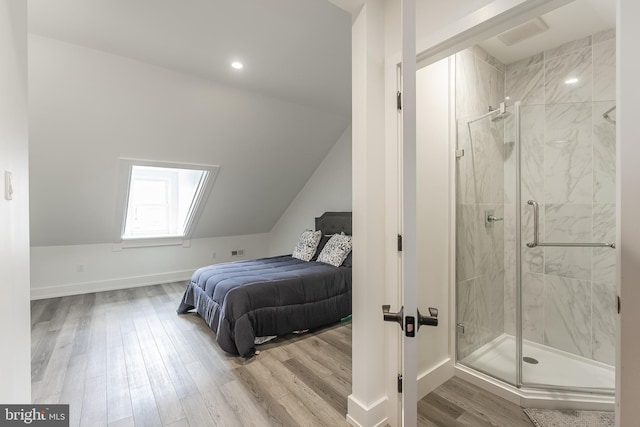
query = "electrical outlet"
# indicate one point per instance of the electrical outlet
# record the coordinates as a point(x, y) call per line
point(213, 255)
point(237, 252)
point(80, 268)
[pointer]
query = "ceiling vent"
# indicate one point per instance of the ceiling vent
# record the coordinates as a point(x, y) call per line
point(523, 32)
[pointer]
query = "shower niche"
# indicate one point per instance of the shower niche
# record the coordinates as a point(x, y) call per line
point(535, 216)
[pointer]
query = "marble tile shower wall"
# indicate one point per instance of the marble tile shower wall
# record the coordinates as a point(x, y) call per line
point(568, 167)
point(480, 261)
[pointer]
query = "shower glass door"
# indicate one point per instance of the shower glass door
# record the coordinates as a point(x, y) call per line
point(485, 253)
point(567, 273)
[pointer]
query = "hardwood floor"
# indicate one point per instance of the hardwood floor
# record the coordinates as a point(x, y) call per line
point(458, 403)
point(125, 358)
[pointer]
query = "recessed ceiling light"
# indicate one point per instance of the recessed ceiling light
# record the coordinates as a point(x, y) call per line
point(237, 65)
point(571, 81)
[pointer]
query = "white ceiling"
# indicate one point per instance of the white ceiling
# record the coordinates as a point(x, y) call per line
point(577, 19)
point(298, 50)
point(151, 79)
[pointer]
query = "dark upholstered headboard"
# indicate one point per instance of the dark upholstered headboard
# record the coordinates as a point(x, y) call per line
point(334, 222)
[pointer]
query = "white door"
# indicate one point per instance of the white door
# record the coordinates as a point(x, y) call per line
point(409, 226)
point(426, 344)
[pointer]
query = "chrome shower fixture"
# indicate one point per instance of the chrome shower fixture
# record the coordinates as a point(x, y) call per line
point(502, 112)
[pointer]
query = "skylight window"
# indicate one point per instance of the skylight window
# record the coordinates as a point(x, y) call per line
point(162, 200)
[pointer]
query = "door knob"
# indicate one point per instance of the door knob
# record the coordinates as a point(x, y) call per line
point(431, 320)
point(393, 317)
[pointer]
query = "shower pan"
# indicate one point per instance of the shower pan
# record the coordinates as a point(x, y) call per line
point(535, 252)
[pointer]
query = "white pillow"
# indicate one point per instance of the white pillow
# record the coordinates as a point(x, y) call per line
point(336, 250)
point(307, 245)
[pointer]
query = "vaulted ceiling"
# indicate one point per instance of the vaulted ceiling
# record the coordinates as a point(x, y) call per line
point(151, 79)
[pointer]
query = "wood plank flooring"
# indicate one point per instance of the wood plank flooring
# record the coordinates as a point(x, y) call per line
point(125, 358)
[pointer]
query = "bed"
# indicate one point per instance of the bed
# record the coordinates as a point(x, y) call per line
point(273, 296)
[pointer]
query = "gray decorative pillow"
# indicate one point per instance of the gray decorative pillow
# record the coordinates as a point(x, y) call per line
point(336, 250)
point(307, 244)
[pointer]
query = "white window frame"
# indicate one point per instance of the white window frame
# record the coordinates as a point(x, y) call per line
point(125, 167)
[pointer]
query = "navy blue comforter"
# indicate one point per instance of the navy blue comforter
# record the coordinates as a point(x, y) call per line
point(269, 296)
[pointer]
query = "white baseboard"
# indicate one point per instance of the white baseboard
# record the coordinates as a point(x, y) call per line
point(109, 285)
point(435, 377)
point(360, 415)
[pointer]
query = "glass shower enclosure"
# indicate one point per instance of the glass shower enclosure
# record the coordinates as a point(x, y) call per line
point(535, 226)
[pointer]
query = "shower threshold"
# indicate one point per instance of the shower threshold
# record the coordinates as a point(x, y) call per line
point(554, 368)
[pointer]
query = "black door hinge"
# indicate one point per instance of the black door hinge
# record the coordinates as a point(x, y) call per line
point(618, 304)
point(399, 383)
point(399, 100)
point(399, 243)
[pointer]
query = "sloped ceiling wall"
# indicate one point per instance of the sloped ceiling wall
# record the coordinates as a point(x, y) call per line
point(299, 50)
point(87, 108)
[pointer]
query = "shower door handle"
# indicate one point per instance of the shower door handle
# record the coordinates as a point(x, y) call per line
point(536, 242)
point(535, 223)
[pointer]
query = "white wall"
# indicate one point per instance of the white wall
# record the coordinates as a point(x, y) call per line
point(327, 190)
point(628, 128)
point(435, 220)
point(15, 330)
point(368, 403)
point(54, 269)
point(87, 108)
